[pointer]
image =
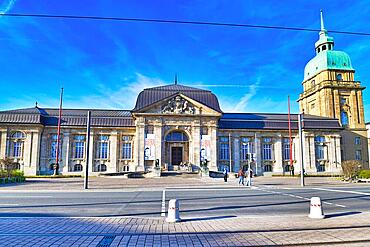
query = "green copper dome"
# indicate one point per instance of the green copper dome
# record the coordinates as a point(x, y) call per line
point(326, 58)
point(329, 59)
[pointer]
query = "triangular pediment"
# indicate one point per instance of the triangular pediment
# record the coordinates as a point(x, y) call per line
point(178, 104)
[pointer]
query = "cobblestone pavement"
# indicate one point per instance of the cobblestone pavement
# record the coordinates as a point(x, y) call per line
point(345, 230)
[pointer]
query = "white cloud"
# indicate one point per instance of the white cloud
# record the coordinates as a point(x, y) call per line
point(122, 98)
point(6, 6)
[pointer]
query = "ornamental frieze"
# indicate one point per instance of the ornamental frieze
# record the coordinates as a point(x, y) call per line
point(178, 105)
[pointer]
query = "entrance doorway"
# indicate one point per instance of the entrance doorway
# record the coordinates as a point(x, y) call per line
point(176, 156)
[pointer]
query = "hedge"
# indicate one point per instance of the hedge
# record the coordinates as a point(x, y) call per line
point(57, 176)
point(364, 174)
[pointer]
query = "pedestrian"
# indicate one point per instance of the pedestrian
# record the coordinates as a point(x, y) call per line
point(292, 169)
point(225, 174)
point(250, 175)
point(241, 176)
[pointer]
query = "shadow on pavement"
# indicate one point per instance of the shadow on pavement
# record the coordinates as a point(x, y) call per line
point(341, 214)
point(209, 218)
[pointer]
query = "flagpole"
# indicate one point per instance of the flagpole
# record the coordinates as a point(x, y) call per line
point(56, 167)
point(290, 137)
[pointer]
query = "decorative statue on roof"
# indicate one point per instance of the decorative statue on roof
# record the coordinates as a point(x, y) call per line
point(178, 105)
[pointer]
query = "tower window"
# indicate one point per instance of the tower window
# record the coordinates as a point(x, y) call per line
point(318, 50)
point(329, 46)
point(324, 47)
point(313, 83)
point(357, 140)
point(339, 77)
point(344, 118)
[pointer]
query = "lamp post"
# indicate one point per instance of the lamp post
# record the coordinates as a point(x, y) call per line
point(300, 120)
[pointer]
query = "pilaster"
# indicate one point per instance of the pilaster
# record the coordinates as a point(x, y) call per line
point(114, 152)
point(236, 153)
point(277, 152)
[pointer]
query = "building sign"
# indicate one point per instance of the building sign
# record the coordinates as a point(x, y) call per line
point(205, 147)
point(149, 151)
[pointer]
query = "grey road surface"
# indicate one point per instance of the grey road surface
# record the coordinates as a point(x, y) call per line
point(194, 202)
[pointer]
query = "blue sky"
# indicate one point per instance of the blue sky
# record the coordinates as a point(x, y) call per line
point(105, 64)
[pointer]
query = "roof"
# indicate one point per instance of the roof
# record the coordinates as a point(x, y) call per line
point(70, 117)
point(273, 121)
point(328, 59)
point(153, 95)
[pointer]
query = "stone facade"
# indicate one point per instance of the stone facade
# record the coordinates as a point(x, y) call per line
point(330, 90)
point(181, 128)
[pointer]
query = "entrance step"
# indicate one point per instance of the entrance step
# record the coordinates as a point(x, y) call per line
point(179, 174)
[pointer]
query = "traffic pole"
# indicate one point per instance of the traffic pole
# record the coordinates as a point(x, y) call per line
point(86, 181)
point(300, 119)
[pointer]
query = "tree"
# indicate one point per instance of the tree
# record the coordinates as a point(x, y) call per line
point(350, 168)
point(8, 165)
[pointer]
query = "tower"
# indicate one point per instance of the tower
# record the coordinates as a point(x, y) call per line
point(330, 90)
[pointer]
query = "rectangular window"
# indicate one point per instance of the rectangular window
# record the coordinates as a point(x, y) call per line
point(53, 150)
point(79, 150)
point(320, 152)
point(267, 151)
point(224, 151)
point(103, 150)
point(358, 155)
point(126, 151)
point(17, 149)
point(286, 151)
point(357, 141)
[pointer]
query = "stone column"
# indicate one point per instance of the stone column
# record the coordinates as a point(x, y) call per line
point(213, 152)
point(26, 154)
point(65, 150)
point(258, 154)
point(338, 156)
point(277, 155)
point(91, 152)
point(114, 152)
point(196, 144)
point(35, 156)
point(158, 133)
point(3, 143)
point(236, 153)
point(139, 144)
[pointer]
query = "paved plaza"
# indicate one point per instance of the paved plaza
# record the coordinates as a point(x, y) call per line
point(126, 212)
point(238, 231)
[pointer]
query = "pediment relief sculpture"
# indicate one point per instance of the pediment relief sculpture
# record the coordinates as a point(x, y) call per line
point(178, 105)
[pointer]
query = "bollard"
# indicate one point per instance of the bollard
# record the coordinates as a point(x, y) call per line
point(163, 209)
point(316, 211)
point(173, 211)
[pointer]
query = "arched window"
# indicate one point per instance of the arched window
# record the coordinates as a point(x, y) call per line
point(77, 168)
point(18, 135)
point(344, 118)
point(176, 136)
point(324, 47)
point(339, 77)
point(267, 168)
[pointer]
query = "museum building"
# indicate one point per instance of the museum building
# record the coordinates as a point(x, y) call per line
point(182, 127)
